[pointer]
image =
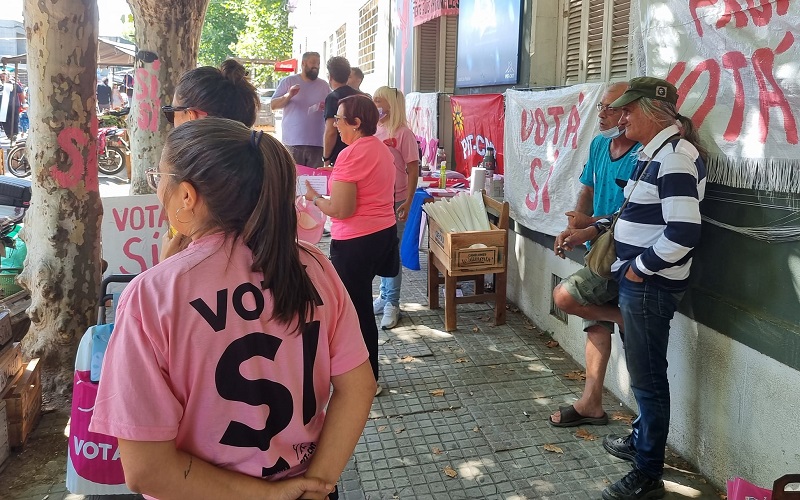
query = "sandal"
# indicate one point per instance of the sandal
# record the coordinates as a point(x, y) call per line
point(571, 418)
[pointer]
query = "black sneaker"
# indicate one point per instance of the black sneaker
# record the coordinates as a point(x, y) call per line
point(634, 486)
point(620, 446)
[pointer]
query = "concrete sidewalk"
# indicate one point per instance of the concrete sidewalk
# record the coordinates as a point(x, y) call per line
point(464, 416)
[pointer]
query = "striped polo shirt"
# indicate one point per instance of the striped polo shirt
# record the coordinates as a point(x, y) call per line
point(657, 231)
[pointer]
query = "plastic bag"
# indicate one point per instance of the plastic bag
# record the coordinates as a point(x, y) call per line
point(310, 221)
point(741, 489)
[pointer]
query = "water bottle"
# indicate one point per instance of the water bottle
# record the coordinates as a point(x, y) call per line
point(443, 175)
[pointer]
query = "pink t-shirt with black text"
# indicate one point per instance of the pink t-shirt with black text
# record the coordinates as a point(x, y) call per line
point(405, 142)
point(196, 357)
point(369, 165)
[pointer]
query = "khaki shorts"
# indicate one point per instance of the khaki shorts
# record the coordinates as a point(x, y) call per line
point(588, 288)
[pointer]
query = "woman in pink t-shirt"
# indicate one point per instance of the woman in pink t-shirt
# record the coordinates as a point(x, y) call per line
point(394, 132)
point(216, 380)
point(361, 206)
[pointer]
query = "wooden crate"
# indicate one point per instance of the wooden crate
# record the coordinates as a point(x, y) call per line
point(10, 364)
point(455, 252)
point(24, 403)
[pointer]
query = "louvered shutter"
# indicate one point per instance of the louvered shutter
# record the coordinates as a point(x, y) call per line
point(618, 59)
point(451, 39)
point(572, 42)
point(427, 62)
point(594, 41)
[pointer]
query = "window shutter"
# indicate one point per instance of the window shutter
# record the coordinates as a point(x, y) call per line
point(428, 51)
point(451, 39)
point(620, 26)
point(594, 41)
point(572, 44)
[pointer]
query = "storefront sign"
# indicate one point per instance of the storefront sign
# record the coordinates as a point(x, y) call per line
point(735, 67)
point(422, 116)
point(425, 10)
point(547, 143)
point(478, 124)
point(131, 231)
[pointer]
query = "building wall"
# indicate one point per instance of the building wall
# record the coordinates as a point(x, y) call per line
point(312, 33)
point(734, 410)
point(12, 38)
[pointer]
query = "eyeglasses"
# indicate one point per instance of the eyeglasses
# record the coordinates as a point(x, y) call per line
point(154, 177)
point(169, 112)
point(605, 107)
point(336, 118)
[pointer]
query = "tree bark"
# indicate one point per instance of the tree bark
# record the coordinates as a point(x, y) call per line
point(168, 38)
point(62, 226)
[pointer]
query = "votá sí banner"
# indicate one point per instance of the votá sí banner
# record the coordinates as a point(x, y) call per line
point(736, 74)
point(547, 141)
point(478, 123)
point(423, 116)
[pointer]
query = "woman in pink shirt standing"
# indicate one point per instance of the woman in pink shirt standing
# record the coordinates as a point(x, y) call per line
point(217, 376)
point(361, 206)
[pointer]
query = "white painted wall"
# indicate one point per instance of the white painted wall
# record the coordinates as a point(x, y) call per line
point(313, 31)
point(735, 412)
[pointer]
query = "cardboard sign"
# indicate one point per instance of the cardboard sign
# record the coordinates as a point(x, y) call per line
point(131, 232)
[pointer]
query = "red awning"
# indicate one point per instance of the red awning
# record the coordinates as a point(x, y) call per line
point(289, 66)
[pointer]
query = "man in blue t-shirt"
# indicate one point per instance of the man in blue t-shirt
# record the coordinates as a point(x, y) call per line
point(612, 158)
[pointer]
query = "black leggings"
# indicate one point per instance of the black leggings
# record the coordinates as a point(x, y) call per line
point(358, 261)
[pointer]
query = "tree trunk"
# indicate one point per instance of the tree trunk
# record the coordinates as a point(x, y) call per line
point(62, 226)
point(168, 37)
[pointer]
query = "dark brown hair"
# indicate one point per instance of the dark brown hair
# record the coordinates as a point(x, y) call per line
point(247, 181)
point(225, 92)
point(361, 107)
point(338, 69)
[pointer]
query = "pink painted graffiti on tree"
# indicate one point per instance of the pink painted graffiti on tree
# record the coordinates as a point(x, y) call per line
point(74, 142)
point(146, 92)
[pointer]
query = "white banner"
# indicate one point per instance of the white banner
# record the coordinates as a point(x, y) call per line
point(547, 141)
point(422, 115)
point(132, 229)
point(735, 67)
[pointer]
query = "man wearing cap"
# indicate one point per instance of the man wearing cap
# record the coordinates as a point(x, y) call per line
point(655, 237)
point(612, 158)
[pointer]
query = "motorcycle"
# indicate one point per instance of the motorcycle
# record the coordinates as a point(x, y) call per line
point(112, 147)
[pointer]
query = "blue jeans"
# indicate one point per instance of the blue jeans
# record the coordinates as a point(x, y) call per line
point(390, 287)
point(647, 310)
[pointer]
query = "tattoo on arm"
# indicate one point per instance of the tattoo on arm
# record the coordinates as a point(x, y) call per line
point(188, 469)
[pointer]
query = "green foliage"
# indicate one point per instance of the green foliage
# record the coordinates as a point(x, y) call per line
point(249, 29)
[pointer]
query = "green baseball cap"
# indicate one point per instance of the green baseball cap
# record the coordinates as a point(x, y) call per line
point(649, 87)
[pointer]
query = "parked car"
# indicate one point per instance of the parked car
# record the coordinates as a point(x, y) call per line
point(266, 117)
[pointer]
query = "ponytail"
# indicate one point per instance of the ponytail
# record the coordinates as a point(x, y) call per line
point(691, 134)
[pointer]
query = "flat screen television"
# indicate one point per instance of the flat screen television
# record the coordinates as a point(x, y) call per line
point(489, 34)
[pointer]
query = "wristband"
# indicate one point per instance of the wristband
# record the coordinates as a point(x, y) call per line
point(324, 158)
point(314, 201)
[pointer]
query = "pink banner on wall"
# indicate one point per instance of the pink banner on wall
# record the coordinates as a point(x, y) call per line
point(425, 10)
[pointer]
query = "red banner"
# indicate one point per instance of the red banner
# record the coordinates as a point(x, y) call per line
point(288, 66)
point(477, 124)
point(425, 10)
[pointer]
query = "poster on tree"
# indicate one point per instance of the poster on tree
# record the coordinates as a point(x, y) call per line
point(478, 124)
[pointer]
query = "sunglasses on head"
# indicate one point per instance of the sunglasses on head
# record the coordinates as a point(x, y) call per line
point(169, 112)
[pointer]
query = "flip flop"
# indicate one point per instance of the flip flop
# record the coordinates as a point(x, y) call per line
point(571, 418)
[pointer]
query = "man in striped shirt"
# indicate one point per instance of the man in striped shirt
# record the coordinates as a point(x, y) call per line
point(655, 238)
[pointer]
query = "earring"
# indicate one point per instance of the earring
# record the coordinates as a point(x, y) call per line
point(183, 221)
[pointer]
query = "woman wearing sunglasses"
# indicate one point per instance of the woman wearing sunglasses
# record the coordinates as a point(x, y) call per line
point(361, 206)
point(207, 91)
point(216, 381)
